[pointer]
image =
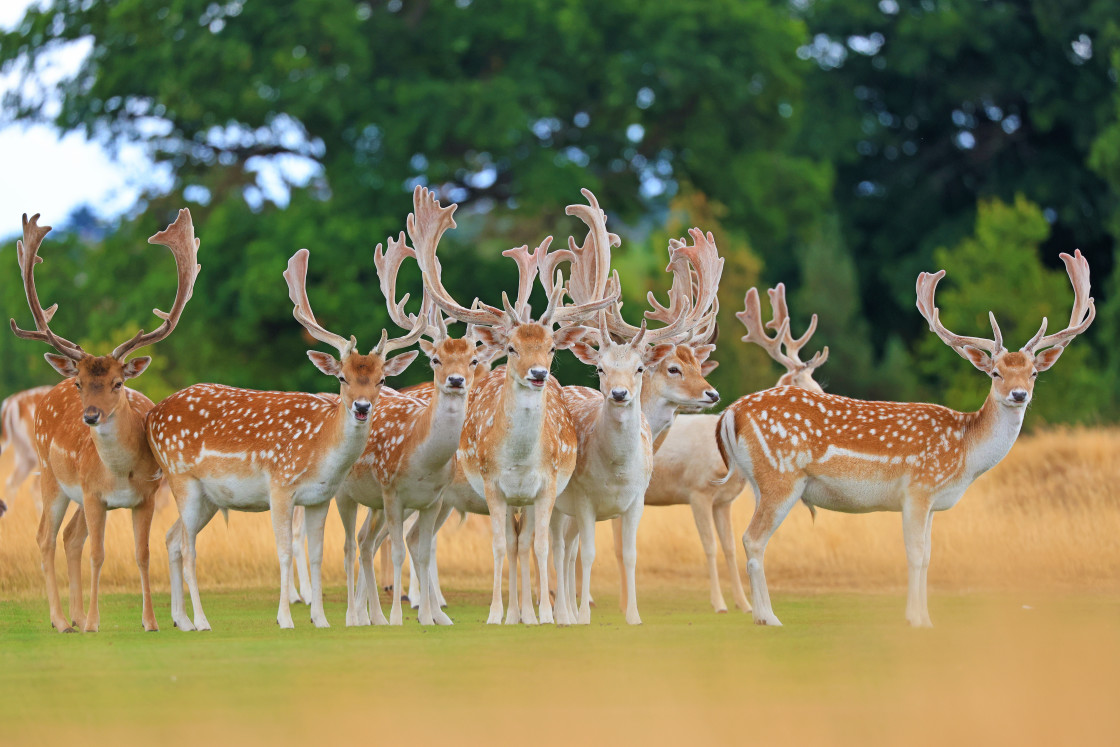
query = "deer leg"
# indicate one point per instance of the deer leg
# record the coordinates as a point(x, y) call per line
point(559, 560)
point(299, 553)
point(770, 510)
point(420, 548)
point(348, 513)
point(616, 533)
point(573, 568)
point(371, 538)
point(925, 569)
point(395, 515)
point(413, 596)
point(498, 513)
point(141, 531)
point(174, 540)
point(585, 521)
point(541, 516)
point(95, 519)
point(701, 505)
point(525, 532)
point(195, 511)
point(280, 509)
point(21, 468)
point(441, 519)
point(721, 512)
point(630, 521)
point(915, 517)
point(74, 540)
point(315, 520)
point(513, 528)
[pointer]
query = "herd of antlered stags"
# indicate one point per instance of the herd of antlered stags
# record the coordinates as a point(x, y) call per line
point(544, 461)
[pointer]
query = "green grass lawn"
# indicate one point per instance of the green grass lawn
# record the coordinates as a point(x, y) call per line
point(844, 669)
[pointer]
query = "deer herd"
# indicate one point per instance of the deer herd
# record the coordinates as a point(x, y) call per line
point(544, 461)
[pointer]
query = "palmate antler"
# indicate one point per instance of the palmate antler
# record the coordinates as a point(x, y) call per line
point(387, 264)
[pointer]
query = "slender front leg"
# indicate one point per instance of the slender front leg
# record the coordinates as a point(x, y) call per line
point(141, 531)
point(369, 540)
point(616, 531)
point(348, 514)
point(915, 517)
point(630, 521)
point(174, 540)
point(770, 510)
point(701, 506)
point(444, 513)
point(513, 528)
point(542, 515)
point(721, 512)
point(196, 511)
point(559, 561)
point(315, 520)
point(498, 511)
point(925, 570)
point(280, 508)
point(394, 513)
point(50, 521)
point(95, 520)
point(572, 569)
point(420, 548)
point(528, 616)
point(74, 540)
point(585, 520)
point(299, 553)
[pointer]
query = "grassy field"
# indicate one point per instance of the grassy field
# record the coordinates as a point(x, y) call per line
point(1024, 589)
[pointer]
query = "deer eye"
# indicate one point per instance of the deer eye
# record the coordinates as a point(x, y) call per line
point(674, 370)
point(474, 362)
point(995, 375)
point(599, 369)
point(382, 382)
point(117, 386)
point(511, 351)
point(641, 369)
point(1034, 374)
point(435, 361)
point(550, 352)
point(78, 384)
point(342, 379)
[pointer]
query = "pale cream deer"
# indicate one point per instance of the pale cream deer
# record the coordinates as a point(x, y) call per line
point(17, 435)
point(225, 448)
point(89, 433)
point(792, 444)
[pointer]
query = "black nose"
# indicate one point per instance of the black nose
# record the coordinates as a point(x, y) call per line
point(713, 395)
point(1019, 395)
point(456, 382)
point(620, 395)
point(362, 408)
point(92, 415)
point(538, 374)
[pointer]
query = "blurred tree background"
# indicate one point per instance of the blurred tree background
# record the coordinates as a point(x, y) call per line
point(840, 146)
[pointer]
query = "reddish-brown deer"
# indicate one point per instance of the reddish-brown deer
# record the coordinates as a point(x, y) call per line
point(226, 448)
point(89, 433)
point(792, 444)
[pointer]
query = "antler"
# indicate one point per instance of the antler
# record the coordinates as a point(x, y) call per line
point(426, 224)
point(296, 278)
point(527, 267)
point(793, 345)
point(180, 239)
point(388, 263)
point(926, 287)
point(1084, 310)
point(700, 282)
point(751, 317)
point(27, 252)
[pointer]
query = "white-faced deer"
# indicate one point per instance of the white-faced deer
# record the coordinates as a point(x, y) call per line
point(793, 444)
point(688, 460)
point(410, 453)
point(615, 453)
point(227, 448)
point(17, 435)
point(89, 433)
point(518, 444)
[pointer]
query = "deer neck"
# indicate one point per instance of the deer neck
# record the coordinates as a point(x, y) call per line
point(659, 411)
point(349, 435)
point(524, 412)
point(438, 428)
point(990, 433)
point(120, 441)
point(619, 429)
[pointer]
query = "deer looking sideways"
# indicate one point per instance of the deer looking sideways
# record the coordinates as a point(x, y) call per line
point(615, 453)
point(792, 444)
point(227, 448)
point(518, 444)
point(688, 460)
point(89, 433)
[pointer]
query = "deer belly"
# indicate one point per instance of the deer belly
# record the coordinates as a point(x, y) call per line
point(240, 492)
point(125, 497)
point(854, 495)
point(520, 487)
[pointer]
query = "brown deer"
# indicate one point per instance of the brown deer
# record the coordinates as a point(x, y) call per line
point(89, 433)
point(518, 443)
point(793, 444)
point(225, 448)
point(17, 434)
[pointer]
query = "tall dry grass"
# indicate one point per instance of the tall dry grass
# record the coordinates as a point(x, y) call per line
point(1047, 517)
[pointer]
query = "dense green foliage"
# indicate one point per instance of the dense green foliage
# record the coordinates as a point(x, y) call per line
point(837, 145)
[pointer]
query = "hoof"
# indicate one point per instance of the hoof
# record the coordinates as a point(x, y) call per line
point(722, 611)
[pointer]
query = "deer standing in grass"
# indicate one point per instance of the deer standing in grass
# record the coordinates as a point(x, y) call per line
point(615, 454)
point(410, 454)
point(17, 434)
point(793, 444)
point(89, 433)
point(228, 448)
point(518, 444)
point(688, 460)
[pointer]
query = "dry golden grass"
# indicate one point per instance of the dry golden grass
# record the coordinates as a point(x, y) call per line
point(1047, 517)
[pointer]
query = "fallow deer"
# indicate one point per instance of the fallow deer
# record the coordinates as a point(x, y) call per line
point(17, 434)
point(518, 444)
point(688, 461)
point(89, 433)
point(793, 444)
point(225, 448)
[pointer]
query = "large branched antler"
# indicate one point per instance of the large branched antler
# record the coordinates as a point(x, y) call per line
point(793, 345)
point(180, 239)
point(926, 288)
point(27, 252)
point(388, 264)
point(296, 278)
point(527, 268)
point(1084, 310)
point(751, 317)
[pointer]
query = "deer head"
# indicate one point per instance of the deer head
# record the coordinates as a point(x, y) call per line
point(783, 346)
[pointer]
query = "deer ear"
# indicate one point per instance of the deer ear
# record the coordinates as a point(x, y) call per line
point(655, 355)
point(325, 362)
point(586, 353)
point(428, 348)
point(1048, 358)
point(977, 357)
point(703, 351)
point(62, 364)
point(568, 336)
point(136, 366)
point(490, 337)
point(396, 366)
point(708, 367)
